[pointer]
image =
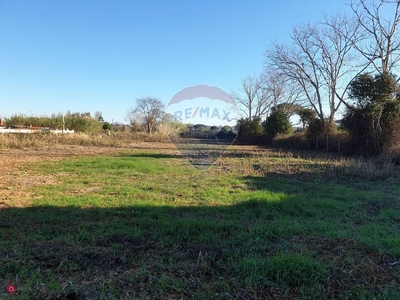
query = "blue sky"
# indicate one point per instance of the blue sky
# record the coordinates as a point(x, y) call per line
point(88, 56)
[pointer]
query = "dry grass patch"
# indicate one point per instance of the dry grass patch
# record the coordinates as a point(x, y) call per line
point(43, 141)
point(307, 165)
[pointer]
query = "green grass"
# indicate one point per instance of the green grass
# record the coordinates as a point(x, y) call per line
point(150, 226)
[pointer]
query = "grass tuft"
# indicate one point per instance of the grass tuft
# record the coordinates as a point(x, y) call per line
point(296, 270)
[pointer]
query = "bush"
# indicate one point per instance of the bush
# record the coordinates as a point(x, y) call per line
point(251, 131)
point(277, 123)
point(226, 133)
point(372, 122)
point(107, 126)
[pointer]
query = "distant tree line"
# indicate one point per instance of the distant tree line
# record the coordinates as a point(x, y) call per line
point(149, 115)
point(207, 132)
point(80, 122)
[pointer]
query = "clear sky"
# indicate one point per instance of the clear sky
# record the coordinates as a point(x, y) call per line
point(88, 56)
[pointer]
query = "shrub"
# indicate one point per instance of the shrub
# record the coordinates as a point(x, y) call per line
point(372, 121)
point(277, 123)
point(107, 126)
point(251, 131)
point(226, 133)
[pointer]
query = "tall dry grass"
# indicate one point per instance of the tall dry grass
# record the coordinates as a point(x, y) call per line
point(380, 168)
point(39, 140)
point(310, 166)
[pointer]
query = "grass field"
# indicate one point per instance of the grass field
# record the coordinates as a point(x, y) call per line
point(144, 224)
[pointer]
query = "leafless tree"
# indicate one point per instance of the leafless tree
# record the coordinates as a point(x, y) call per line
point(285, 95)
point(148, 110)
point(258, 94)
point(381, 43)
point(339, 62)
point(297, 63)
point(318, 60)
point(252, 101)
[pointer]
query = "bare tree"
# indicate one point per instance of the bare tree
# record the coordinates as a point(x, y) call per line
point(259, 94)
point(148, 110)
point(297, 63)
point(285, 95)
point(319, 60)
point(339, 62)
point(252, 101)
point(381, 43)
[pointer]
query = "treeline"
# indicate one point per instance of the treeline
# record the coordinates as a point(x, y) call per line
point(278, 131)
point(370, 126)
point(80, 122)
point(339, 75)
point(202, 131)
